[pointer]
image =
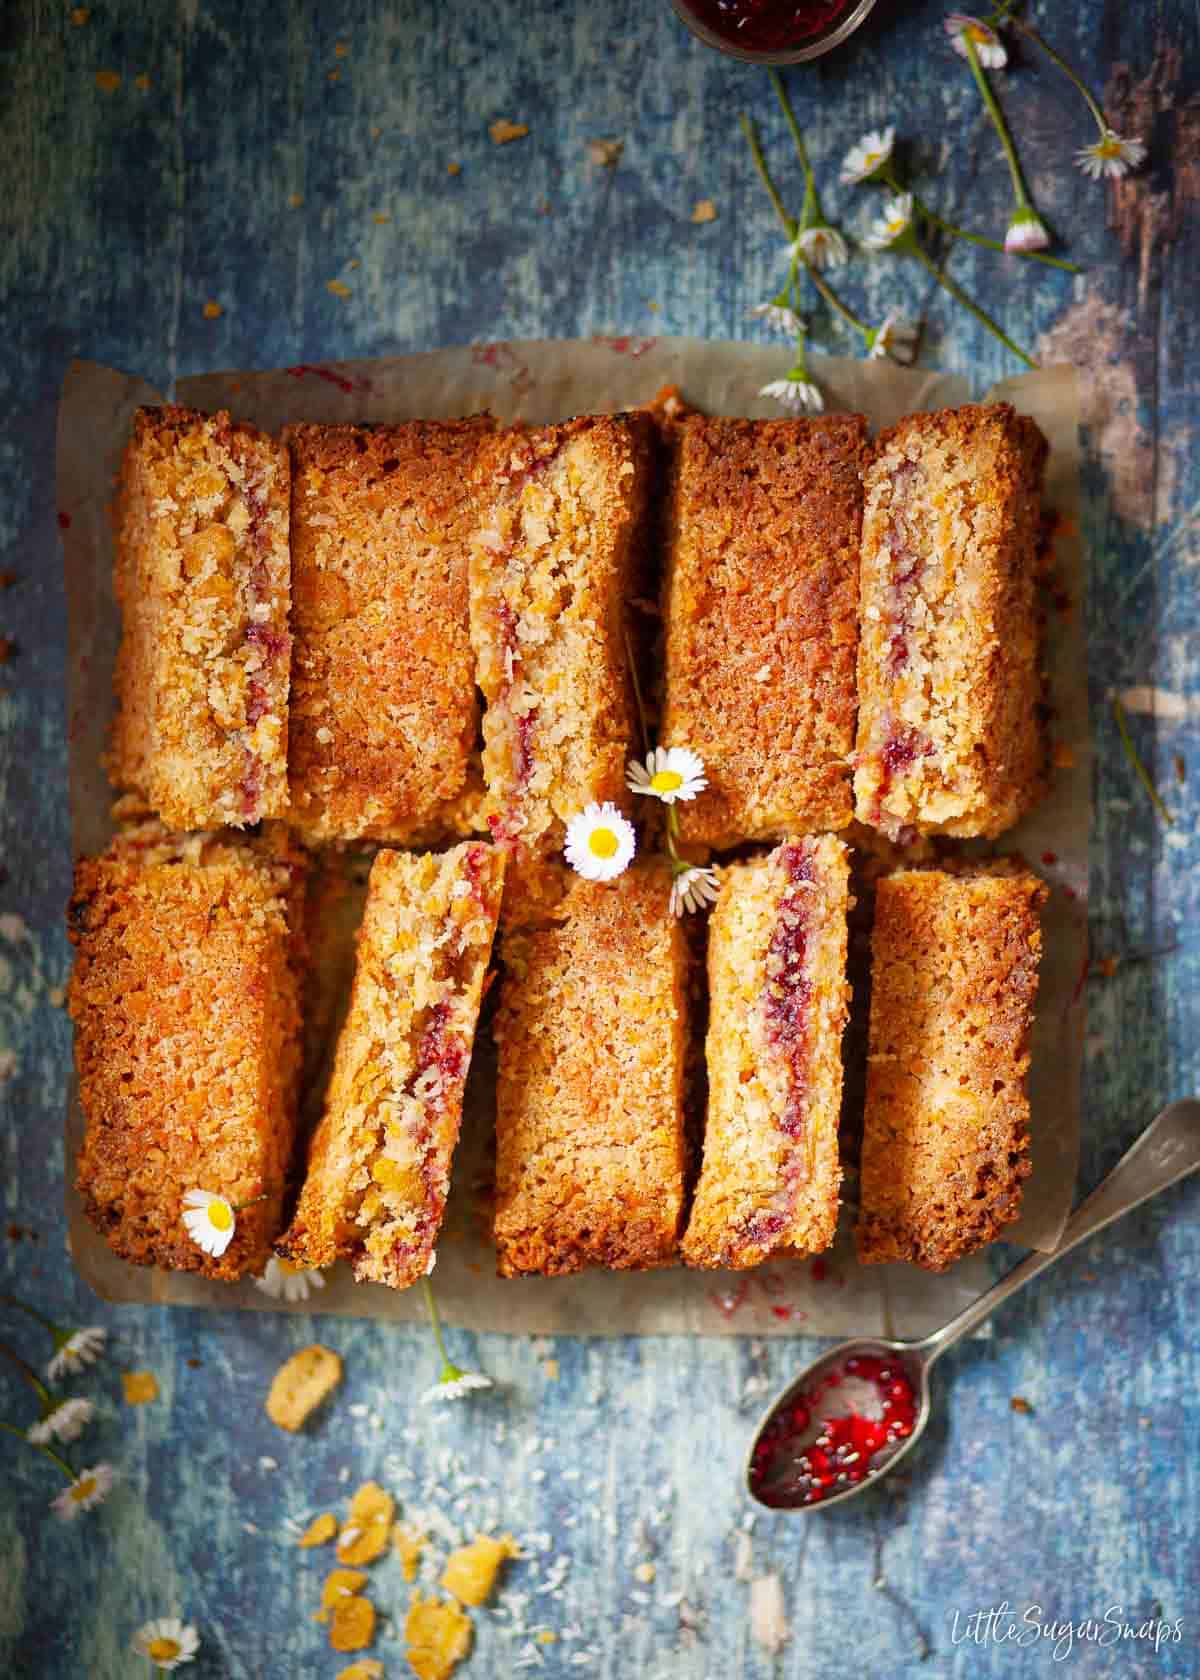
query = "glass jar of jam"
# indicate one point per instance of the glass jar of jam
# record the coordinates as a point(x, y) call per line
point(773, 31)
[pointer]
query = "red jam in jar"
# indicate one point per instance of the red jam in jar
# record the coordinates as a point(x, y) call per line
point(818, 1444)
point(768, 25)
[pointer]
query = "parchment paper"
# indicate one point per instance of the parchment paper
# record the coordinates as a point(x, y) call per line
point(546, 381)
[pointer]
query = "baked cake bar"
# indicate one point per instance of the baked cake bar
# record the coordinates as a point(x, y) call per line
point(384, 707)
point(201, 576)
point(185, 999)
point(946, 1130)
point(761, 594)
point(949, 684)
point(589, 1097)
point(778, 1001)
point(379, 1168)
point(553, 566)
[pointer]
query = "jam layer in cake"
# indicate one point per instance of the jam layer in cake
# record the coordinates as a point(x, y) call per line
point(589, 1099)
point(946, 1130)
point(384, 710)
point(558, 556)
point(185, 999)
point(778, 1003)
point(202, 579)
point(949, 684)
point(762, 539)
point(379, 1168)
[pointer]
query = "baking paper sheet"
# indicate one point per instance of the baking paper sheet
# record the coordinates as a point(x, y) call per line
point(546, 381)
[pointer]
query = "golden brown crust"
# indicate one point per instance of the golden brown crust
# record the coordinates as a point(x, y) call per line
point(948, 666)
point(591, 1032)
point(946, 1130)
point(384, 711)
point(777, 1010)
point(760, 600)
point(202, 577)
point(185, 998)
point(553, 567)
point(379, 1167)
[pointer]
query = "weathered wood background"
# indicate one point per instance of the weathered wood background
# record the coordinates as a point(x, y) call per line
point(160, 157)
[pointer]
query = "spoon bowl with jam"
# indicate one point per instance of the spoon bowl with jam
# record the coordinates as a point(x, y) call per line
point(852, 1415)
point(773, 31)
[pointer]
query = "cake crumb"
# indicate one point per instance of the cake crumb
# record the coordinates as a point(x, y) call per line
point(1019, 1404)
point(454, 169)
point(7, 648)
point(301, 1384)
point(1064, 757)
point(502, 131)
point(108, 81)
point(339, 288)
point(79, 16)
point(341, 49)
point(140, 1387)
point(295, 200)
point(704, 211)
point(319, 1530)
point(142, 82)
point(605, 154)
point(768, 1618)
point(550, 1368)
point(645, 1572)
point(381, 217)
point(213, 310)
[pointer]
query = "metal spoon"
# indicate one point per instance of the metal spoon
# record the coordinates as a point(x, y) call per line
point(1167, 1151)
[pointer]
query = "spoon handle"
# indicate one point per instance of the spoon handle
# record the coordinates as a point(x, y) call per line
point(1167, 1151)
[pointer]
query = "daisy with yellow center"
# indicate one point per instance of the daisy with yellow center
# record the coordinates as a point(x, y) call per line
point(1110, 156)
point(210, 1220)
point(893, 226)
point(989, 48)
point(284, 1282)
point(167, 1643)
point(865, 159)
point(89, 1488)
point(669, 773)
point(600, 843)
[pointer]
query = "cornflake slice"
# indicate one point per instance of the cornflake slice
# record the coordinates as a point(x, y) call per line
point(438, 1637)
point(300, 1385)
point(409, 1543)
point(140, 1387)
point(470, 1572)
point(339, 1584)
point(370, 1668)
point(367, 1529)
point(353, 1626)
point(319, 1530)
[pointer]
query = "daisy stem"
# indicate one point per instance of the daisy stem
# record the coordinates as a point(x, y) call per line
point(760, 163)
point(811, 202)
point(957, 293)
point(436, 1322)
point(48, 1452)
point(1135, 758)
point(1056, 58)
point(835, 302)
point(956, 232)
point(1024, 202)
point(30, 1375)
point(46, 1323)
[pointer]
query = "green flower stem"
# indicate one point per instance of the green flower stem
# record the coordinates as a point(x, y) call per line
point(48, 1452)
point(811, 210)
point(1056, 58)
point(435, 1321)
point(835, 302)
point(956, 232)
point(760, 163)
point(31, 1377)
point(1135, 759)
point(957, 293)
point(1024, 202)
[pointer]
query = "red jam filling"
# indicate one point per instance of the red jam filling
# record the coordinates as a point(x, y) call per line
point(768, 25)
point(809, 1450)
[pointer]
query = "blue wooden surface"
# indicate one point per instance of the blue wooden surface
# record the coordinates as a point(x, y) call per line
point(249, 170)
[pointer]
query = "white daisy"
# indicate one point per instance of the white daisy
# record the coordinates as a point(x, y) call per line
point(892, 225)
point(821, 246)
point(453, 1384)
point(1026, 231)
point(795, 392)
point(284, 1282)
point(600, 843)
point(210, 1220)
point(1111, 156)
point(166, 1642)
point(779, 317)
point(90, 1487)
point(669, 773)
point(895, 338)
point(692, 889)
point(80, 1348)
point(65, 1422)
point(867, 158)
point(989, 48)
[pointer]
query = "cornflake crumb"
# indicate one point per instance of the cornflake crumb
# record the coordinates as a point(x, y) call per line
point(368, 1668)
point(454, 169)
point(551, 1370)
point(79, 16)
point(320, 1530)
point(339, 288)
point(341, 49)
point(502, 131)
point(108, 81)
point(705, 210)
point(1019, 1404)
point(339, 1584)
point(368, 1527)
point(381, 216)
point(353, 1624)
point(140, 1387)
point(470, 1572)
point(605, 154)
point(409, 1542)
point(213, 310)
point(437, 1635)
point(300, 1385)
point(295, 200)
